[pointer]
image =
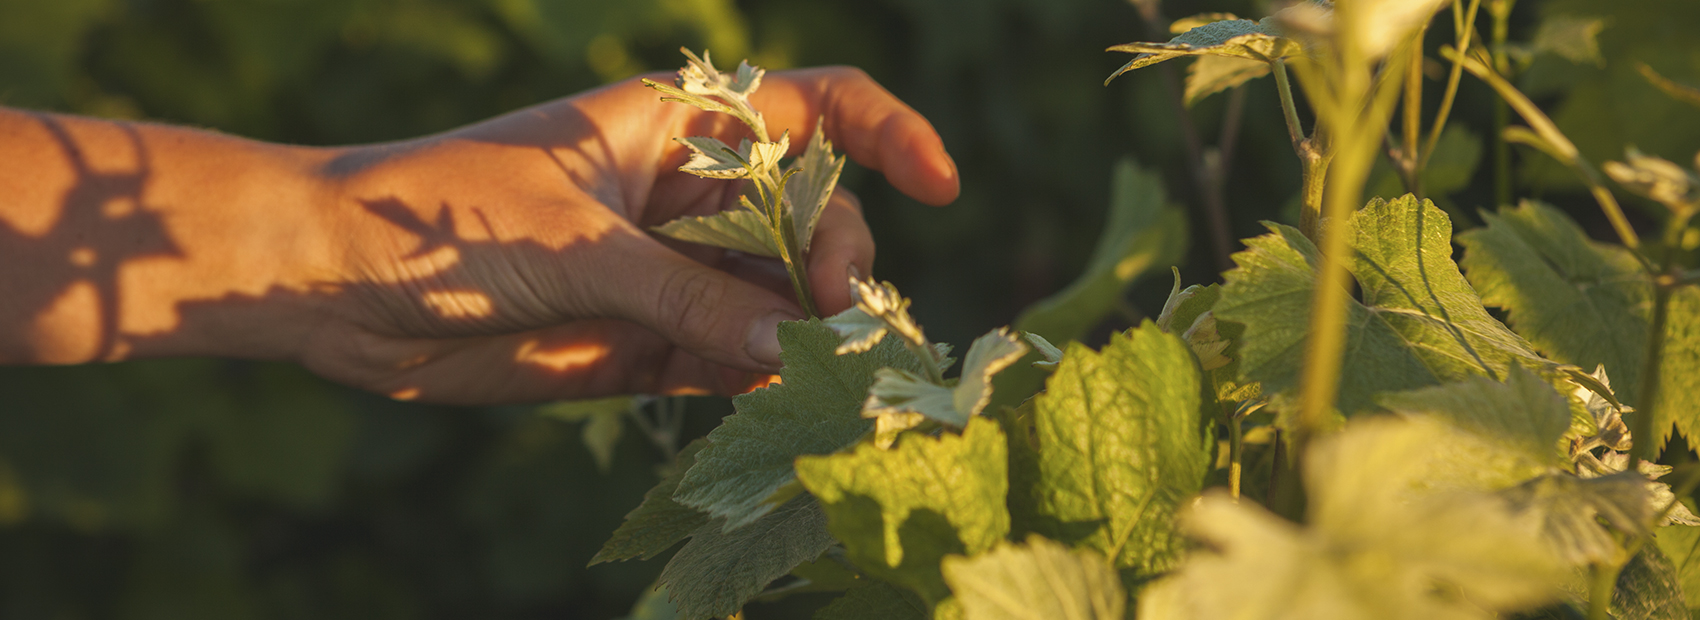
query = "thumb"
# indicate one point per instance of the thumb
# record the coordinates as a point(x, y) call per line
point(703, 310)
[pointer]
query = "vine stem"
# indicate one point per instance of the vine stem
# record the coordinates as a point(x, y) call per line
point(1310, 152)
point(1501, 12)
point(1600, 589)
point(1464, 24)
point(1236, 454)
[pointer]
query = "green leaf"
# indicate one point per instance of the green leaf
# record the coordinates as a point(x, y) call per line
point(1524, 412)
point(879, 308)
point(698, 81)
point(581, 410)
point(1649, 588)
point(600, 434)
point(713, 159)
point(900, 511)
point(1680, 545)
point(718, 571)
point(896, 391)
point(875, 599)
point(1679, 369)
point(1122, 442)
point(1381, 540)
point(1213, 74)
point(1140, 234)
point(1587, 303)
point(1041, 579)
point(815, 410)
point(1236, 38)
point(1419, 323)
point(659, 522)
point(1571, 510)
point(810, 188)
point(1576, 39)
point(742, 230)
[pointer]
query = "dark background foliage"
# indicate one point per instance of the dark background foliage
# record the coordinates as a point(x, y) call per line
point(215, 489)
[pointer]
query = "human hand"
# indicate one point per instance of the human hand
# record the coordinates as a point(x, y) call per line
point(509, 261)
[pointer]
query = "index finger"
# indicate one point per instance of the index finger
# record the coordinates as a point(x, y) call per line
point(866, 121)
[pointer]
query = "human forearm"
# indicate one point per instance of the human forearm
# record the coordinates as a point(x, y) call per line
point(122, 240)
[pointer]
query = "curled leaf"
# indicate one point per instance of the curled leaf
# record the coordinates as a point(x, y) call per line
point(1237, 38)
point(879, 308)
point(897, 391)
point(698, 81)
point(1049, 352)
point(713, 159)
point(1657, 179)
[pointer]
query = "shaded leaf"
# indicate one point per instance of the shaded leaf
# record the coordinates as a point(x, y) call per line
point(1649, 588)
point(1419, 323)
point(875, 599)
point(1237, 38)
point(1576, 39)
point(1140, 234)
point(816, 409)
point(900, 511)
point(1041, 579)
point(659, 522)
point(1570, 512)
point(1122, 442)
point(1681, 547)
point(718, 571)
point(600, 434)
point(743, 230)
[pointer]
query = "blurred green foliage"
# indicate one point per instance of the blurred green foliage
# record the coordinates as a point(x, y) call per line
point(189, 489)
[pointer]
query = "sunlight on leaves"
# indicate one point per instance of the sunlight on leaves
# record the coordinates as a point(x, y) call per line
point(879, 308)
point(816, 409)
point(1381, 542)
point(1657, 179)
point(900, 511)
point(1524, 412)
point(713, 159)
point(817, 173)
point(1040, 579)
point(742, 230)
point(1237, 38)
point(1122, 441)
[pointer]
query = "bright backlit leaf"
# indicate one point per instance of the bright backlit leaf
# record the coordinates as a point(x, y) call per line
point(815, 410)
point(1209, 75)
point(1380, 540)
point(1657, 179)
point(742, 230)
point(1122, 442)
point(879, 308)
point(1419, 323)
point(1236, 38)
point(900, 511)
point(1381, 25)
point(810, 188)
point(1140, 235)
point(701, 85)
point(659, 522)
point(715, 573)
point(1040, 579)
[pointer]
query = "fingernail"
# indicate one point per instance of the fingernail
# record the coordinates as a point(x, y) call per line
point(761, 342)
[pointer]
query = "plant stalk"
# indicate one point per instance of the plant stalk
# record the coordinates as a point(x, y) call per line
point(1502, 192)
point(1600, 588)
point(1465, 25)
point(1236, 456)
point(1410, 150)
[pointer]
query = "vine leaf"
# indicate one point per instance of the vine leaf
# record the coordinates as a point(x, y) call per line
point(1041, 579)
point(1140, 234)
point(713, 159)
point(1419, 323)
point(1377, 528)
point(816, 409)
point(1524, 413)
point(743, 230)
point(1122, 442)
point(896, 391)
point(1657, 179)
point(879, 308)
point(1649, 588)
point(1213, 74)
point(604, 423)
point(698, 82)
point(659, 522)
point(808, 190)
point(874, 599)
point(900, 511)
point(1570, 511)
point(1587, 303)
point(1681, 547)
point(718, 571)
point(1236, 38)
point(1576, 39)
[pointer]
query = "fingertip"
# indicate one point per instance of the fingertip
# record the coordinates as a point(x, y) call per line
point(918, 164)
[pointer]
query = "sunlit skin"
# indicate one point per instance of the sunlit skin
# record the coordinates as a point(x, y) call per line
point(506, 261)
